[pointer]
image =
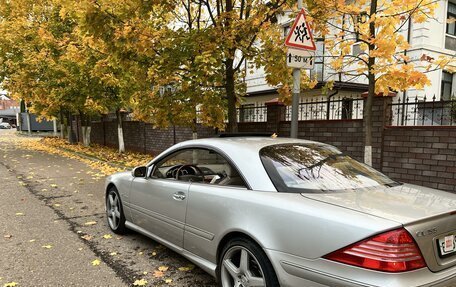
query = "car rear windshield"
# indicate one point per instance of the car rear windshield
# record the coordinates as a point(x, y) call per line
point(317, 168)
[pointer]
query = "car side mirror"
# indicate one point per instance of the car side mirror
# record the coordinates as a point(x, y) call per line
point(139, 171)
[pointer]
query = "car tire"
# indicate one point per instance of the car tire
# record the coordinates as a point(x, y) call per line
point(242, 262)
point(114, 212)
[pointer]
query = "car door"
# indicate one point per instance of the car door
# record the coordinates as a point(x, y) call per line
point(159, 201)
point(211, 203)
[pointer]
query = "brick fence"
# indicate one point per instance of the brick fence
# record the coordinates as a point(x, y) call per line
point(419, 155)
point(142, 137)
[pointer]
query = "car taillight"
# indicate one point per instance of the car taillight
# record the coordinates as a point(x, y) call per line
point(392, 251)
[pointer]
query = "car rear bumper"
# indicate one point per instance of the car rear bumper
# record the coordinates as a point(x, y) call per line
point(294, 271)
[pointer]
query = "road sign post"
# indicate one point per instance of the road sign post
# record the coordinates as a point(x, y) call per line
point(300, 37)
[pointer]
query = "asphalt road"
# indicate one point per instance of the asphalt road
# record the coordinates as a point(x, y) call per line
point(53, 229)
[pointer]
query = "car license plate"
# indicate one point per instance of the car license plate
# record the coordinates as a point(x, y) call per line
point(447, 244)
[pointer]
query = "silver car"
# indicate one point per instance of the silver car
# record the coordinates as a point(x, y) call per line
point(262, 211)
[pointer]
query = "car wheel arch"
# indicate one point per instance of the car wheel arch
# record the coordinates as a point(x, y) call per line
point(108, 188)
point(235, 234)
point(239, 235)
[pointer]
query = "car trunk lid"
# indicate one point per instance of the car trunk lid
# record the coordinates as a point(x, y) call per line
point(428, 214)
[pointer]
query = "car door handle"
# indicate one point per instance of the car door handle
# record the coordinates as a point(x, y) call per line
point(179, 196)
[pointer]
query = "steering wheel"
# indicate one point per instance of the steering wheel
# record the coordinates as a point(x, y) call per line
point(198, 173)
point(171, 173)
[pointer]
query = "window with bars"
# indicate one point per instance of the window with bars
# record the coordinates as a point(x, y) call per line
point(447, 86)
point(318, 69)
point(451, 18)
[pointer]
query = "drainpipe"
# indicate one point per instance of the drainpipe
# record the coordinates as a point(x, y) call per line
point(328, 104)
point(404, 93)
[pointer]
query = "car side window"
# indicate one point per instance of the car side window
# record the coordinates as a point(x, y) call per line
point(198, 165)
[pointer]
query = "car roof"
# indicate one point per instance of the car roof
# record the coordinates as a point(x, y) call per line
point(248, 144)
point(244, 153)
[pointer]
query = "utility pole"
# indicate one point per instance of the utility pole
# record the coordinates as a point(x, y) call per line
point(296, 91)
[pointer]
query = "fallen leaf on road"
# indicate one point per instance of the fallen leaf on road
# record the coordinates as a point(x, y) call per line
point(158, 274)
point(47, 246)
point(7, 236)
point(141, 282)
point(186, 268)
point(145, 272)
point(163, 268)
point(10, 284)
point(154, 253)
point(113, 253)
point(107, 236)
point(54, 185)
point(96, 262)
point(87, 237)
point(90, 223)
point(32, 240)
point(57, 204)
point(169, 280)
point(19, 213)
point(44, 190)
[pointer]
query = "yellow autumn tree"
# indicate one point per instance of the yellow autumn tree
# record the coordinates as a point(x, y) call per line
point(43, 62)
point(377, 28)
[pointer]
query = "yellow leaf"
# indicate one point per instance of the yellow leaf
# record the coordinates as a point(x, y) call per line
point(141, 282)
point(10, 284)
point(158, 274)
point(19, 213)
point(163, 268)
point(47, 246)
point(186, 268)
point(107, 236)
point(86, 237)
point(32, 240)
point(57, 204)
point(113, 253)
point(90, 223)
point(169, 280)
point(96, 262)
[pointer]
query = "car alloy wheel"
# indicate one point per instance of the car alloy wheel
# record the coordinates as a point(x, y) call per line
point(244, 264)
point(114, 212)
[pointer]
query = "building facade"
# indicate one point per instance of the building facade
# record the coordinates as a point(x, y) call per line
point(434, 38)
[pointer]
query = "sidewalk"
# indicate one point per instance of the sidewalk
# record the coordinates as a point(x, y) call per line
point(62, 202)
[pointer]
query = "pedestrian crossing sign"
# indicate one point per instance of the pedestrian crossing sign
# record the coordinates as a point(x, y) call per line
point(300, 35)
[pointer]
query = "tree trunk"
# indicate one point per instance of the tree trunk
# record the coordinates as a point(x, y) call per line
point(62, 125)
point(229, 73)
point(86, 129)
point(120, 132)
point(371, 92)
point(71, 135)
point(231, 96)
point(194, 130)
point(29, 124)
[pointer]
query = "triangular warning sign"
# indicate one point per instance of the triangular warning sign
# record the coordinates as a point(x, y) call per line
point(300, 36)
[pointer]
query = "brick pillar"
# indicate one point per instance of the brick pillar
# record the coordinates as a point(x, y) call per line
point(381, 117)
point(275, 114)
